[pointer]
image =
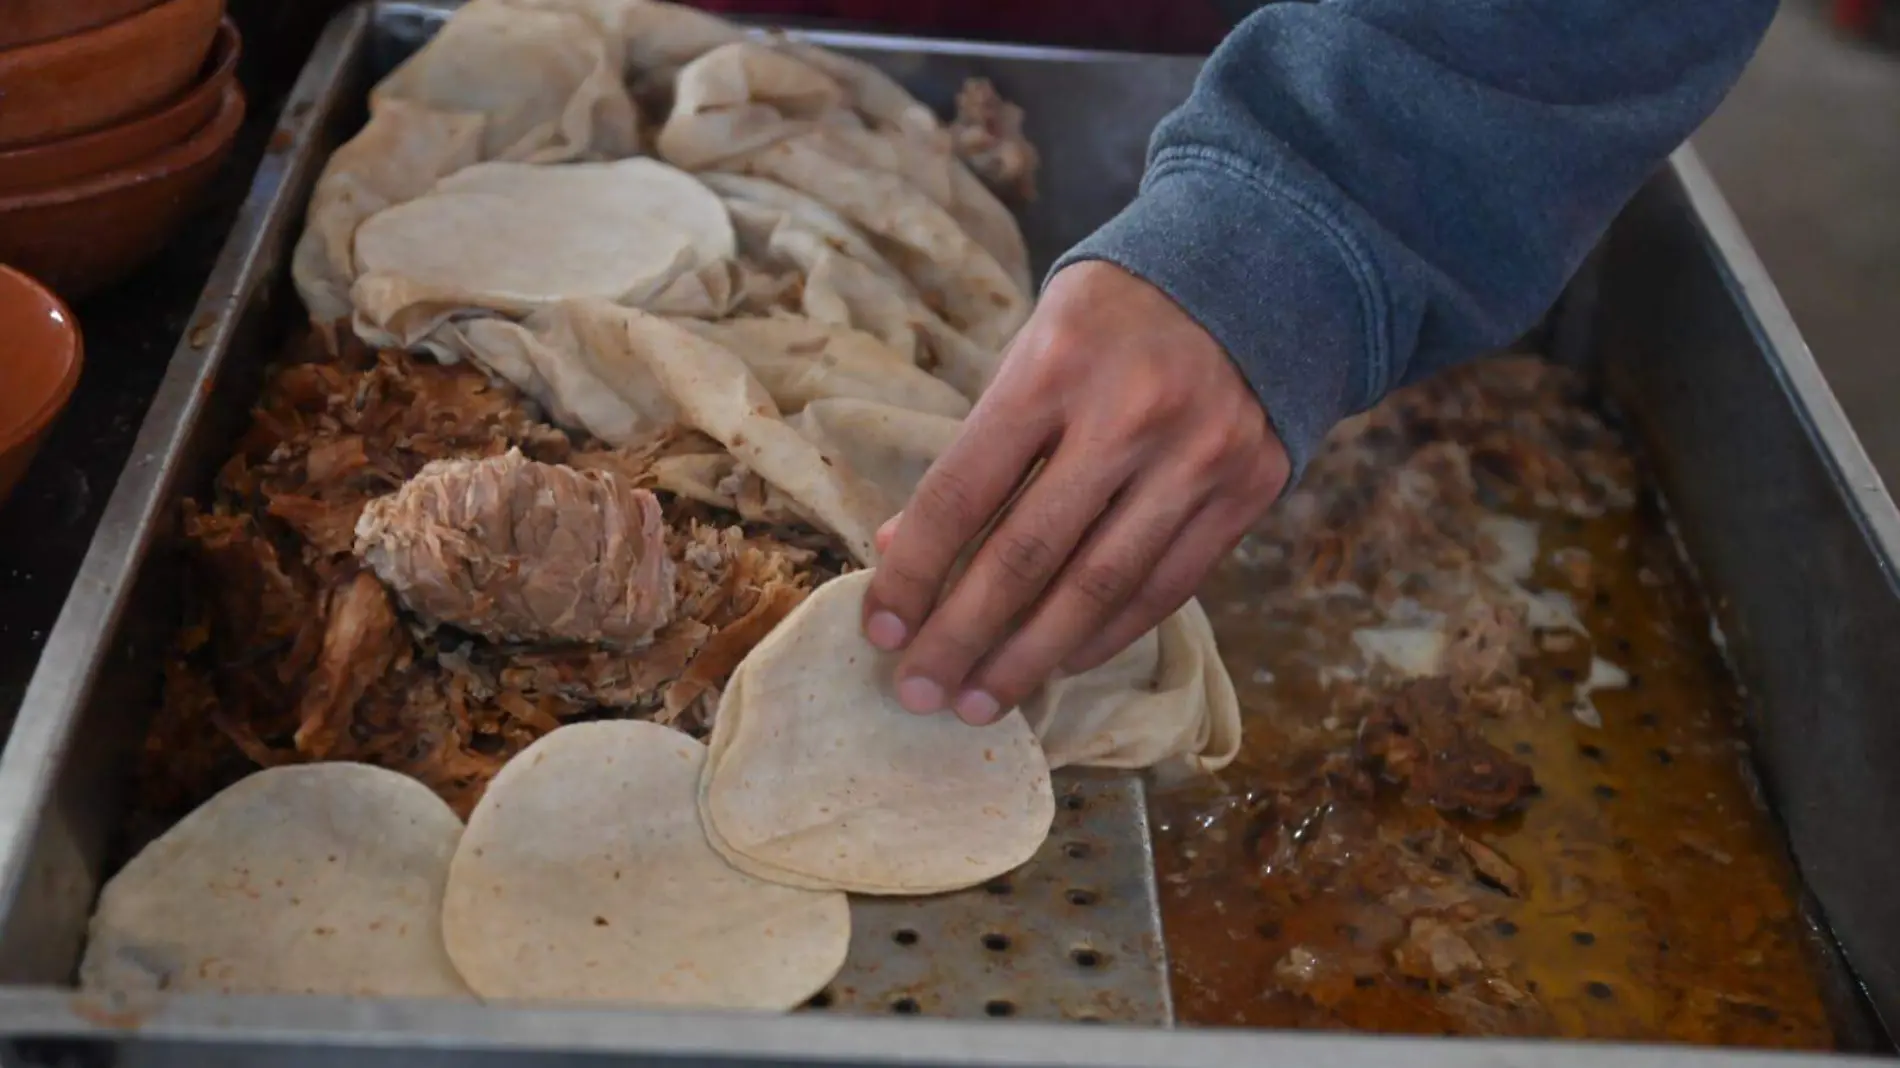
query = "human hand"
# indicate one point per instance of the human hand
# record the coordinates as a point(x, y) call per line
point(1157, 458)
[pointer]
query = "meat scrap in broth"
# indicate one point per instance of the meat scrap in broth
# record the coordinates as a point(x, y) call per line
point(1492, 781)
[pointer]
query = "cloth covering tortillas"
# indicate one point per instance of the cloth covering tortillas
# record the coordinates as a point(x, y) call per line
point(1165, 702)
point(837, 245)
point(584, 876)
point(318, 879)
point(817, 777)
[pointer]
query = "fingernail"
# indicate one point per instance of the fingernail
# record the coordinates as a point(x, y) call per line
point(886, 631)
point(977, 708)
point(920, 695)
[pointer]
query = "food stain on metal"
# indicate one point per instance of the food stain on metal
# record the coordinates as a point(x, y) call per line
point(202, 331)
point(116, 1012)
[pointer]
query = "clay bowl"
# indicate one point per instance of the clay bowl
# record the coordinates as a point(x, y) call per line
point(39, 366)
point(96, 77)
point(28, 21)
point(90, 233)
point(53, 162)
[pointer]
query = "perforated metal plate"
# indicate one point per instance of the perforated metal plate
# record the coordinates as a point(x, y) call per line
point(1075, 934)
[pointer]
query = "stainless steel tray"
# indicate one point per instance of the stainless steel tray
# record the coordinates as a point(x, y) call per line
point(1776, 502)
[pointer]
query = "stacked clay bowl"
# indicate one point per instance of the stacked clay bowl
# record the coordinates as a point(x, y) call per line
point(39, 366)
point(113, 116)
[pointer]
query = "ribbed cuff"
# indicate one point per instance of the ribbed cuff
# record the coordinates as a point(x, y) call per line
point(1274, 278)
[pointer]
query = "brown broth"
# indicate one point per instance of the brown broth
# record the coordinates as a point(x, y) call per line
point(1657, 901)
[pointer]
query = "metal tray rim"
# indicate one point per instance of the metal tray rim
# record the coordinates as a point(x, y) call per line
point(1853, 471)
point(286, 1020)
point(77, 647)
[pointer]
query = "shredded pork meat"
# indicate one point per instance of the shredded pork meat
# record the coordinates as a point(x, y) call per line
point(510, 580)
point(987, 133)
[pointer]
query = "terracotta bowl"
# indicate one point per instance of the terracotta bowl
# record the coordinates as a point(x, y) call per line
point(92, 232)
point(96, 77)
point(39, 366)
point(27, 21)
point(53, 162)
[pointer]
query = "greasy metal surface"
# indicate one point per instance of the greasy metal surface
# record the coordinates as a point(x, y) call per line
point(58, 777)
point(1788, 523)
point(1075, 934)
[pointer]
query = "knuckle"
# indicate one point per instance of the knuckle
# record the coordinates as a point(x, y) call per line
point(904, 588)
point(1104, 585)
point(1026, 558)
point(945, 498)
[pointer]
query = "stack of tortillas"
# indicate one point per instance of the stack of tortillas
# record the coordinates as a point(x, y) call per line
point(818, 778)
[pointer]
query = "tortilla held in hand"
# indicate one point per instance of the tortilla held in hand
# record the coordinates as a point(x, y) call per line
point(817, 777)
point(584, 876)
point(312, 879)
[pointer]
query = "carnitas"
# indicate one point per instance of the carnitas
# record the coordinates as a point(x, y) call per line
point(518, 551)
point(987, 135)
point(494, 592)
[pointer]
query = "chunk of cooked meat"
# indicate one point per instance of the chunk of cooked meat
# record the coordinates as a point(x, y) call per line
point(1433, 951)
point(520, 551)
point(362, 640)
point(988, 134)
point(1422, 738)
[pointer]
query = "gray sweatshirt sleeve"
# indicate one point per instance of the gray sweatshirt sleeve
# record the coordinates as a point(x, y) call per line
point(1359, 192)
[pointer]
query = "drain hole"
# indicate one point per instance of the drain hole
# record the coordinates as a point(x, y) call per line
point(999, 1008)
point(1086, 958)
point(820, 1001)
point(1088, 1018)
point(1082, 898)
point(905, 1007)
point(1076, 850)
point(995, 943)
point(905, 937)
point(1074, 802)
point(999, 887)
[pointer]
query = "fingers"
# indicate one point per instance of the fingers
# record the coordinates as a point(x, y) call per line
point(1005, 578)
point(958, 495)
point(1111, 570)
point(1206, 538)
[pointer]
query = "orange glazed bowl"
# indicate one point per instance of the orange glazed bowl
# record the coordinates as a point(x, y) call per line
point(97, 77)
point(51, 163)
point(89, 233)
point(39, 366)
